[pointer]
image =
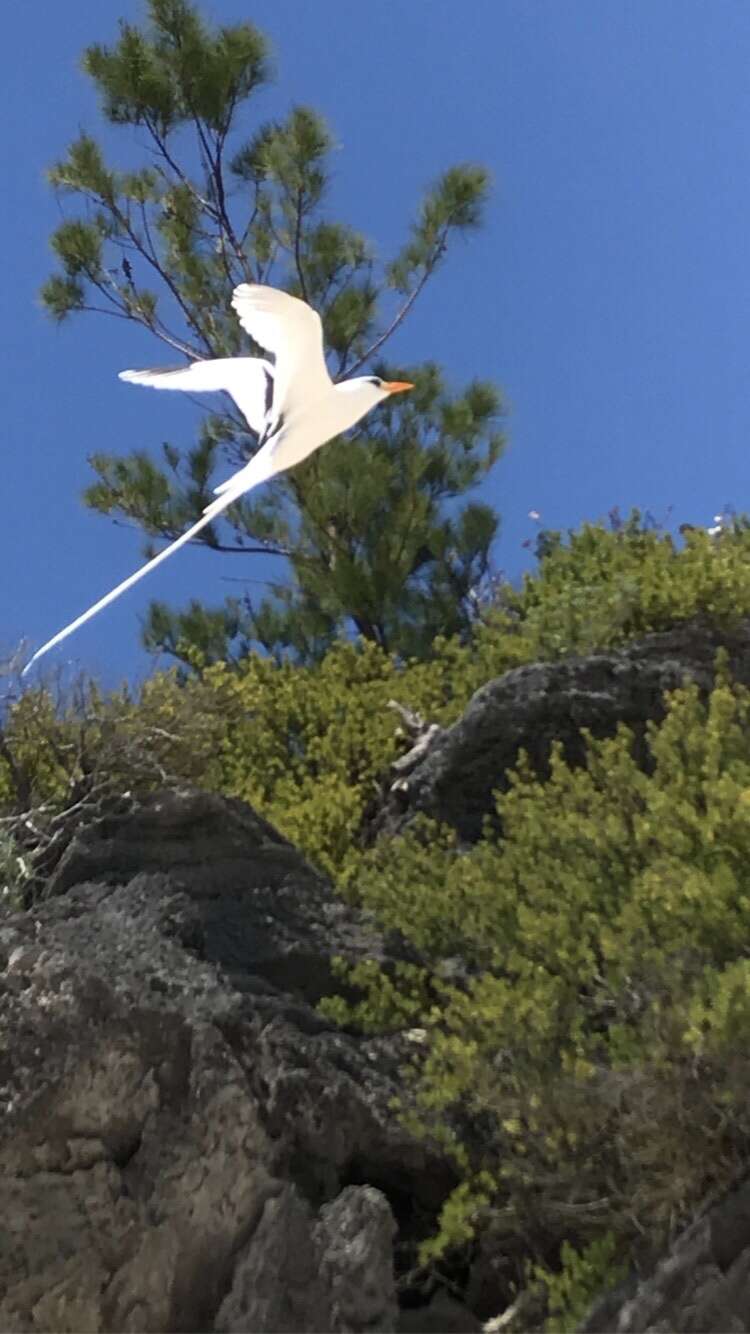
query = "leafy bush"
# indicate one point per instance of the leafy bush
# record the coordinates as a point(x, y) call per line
point(585, 985)
point(63, 759)
point(605, 586)
point(583, 1276)
point(310, 745)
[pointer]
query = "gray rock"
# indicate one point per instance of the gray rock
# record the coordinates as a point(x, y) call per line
point(299, 1272)
point(355, 1238)
point(184, 1143)
point(702, 1286)
point(530, 707)
point(442, 1315)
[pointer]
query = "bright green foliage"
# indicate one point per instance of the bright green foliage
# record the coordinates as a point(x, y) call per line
point(603, 586)
point(29, 770)
point(580, 996)
point(599, 1022)
point(583, 1276)
point(311, 746)
point(184, 72)
point(224, 199)
point(48, 746)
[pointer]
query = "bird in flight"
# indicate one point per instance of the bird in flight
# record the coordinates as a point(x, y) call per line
point(292, 405)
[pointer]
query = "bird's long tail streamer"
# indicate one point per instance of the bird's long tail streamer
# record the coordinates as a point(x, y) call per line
point(211, 512)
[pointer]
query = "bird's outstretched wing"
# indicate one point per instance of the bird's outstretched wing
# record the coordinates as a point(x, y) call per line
point(292, 331)
point(284, 326)
point(259, 469)
point(248, 380)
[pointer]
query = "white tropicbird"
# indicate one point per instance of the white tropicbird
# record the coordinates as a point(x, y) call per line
point(293, 406)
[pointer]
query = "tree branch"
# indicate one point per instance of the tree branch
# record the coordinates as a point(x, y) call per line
point(244, 551)
point(392, 327)
point(298, 246)
point(167, 279)
point(179, 173)
point(124, 311)
point(172, 534)
point(225, 220)
point(404, 311)
point(215, 172)
point(161, 332)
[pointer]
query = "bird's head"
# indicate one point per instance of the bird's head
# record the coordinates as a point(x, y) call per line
point(387, 387)
point(359, 396)
point(374, 390)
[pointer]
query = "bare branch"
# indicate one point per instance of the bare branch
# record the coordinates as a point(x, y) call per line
point(171, 534)
point(392, 327)
point(298, 245)
point(247, 551)
point(133, 318)
point(404, 311)
point(173, 288)
point(215, 172)
point(205, 204)
point(105, 310)
point(225, 219)
point(136, 246)
point(126, 311)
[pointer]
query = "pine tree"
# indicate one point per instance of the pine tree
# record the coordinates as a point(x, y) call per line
point(370, 543)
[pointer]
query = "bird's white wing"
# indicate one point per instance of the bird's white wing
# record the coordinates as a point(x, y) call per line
point(248, 380)
point(259, 469)
point(292, 331)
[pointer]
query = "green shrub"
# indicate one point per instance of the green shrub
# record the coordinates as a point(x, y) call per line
point(311, 746)
point(603, 587)
point(585, 987)
point(63, 761)
point(583, 1276)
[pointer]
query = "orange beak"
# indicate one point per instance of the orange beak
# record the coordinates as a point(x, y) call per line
point(397, 386)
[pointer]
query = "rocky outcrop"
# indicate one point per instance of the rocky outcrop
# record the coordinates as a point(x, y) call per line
point(702, 1285)
point(530, 707)
point(185, 1144)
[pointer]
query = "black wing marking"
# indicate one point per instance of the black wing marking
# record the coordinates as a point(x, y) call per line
point(269, 392)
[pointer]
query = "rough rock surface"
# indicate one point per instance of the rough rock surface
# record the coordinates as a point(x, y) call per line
point(530, 707)
point(184, 1143)
point(701, 1287)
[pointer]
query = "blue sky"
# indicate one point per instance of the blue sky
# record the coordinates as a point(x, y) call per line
point(609, 293)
